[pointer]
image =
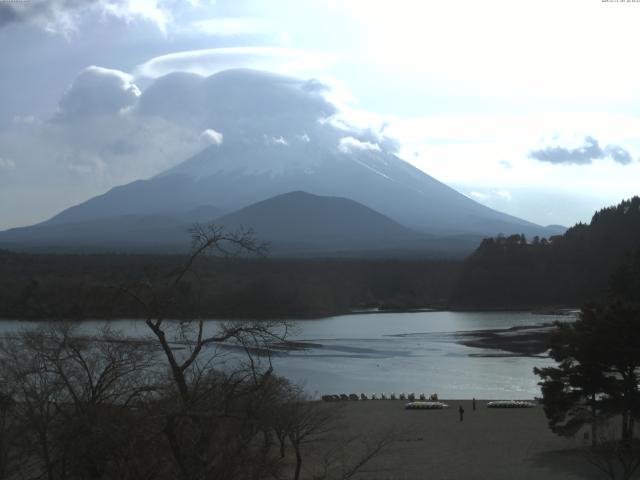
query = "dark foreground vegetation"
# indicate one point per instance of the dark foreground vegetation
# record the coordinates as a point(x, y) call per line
point(596, 379)
point(595, 384)
point(105, 407)
point(169, 406)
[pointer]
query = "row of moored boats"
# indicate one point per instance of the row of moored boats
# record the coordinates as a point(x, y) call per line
point(383, 396)
point(421, 402)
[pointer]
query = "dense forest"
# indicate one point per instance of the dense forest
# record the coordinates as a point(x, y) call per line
point(53, 286)
point(510, 272)
point(566, 270)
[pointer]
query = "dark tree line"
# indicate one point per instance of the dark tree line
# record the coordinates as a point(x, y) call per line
point(567, 270)
point(54, 286)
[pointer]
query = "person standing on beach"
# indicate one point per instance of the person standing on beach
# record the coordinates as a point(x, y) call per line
point(473, 403)
point(461, 412)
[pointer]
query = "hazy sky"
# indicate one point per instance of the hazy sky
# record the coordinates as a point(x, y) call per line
point(531, 107)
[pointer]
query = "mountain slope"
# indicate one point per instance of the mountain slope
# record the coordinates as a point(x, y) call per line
point(293, 224)
point(130, 232)
point(235, 175)
point(301, 222)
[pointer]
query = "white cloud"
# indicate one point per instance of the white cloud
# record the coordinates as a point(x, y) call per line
point(436, 45)
point(351, 144)
point(488, 195)
point(230, 26)
point(504, 194)
point(284, 38)
point(479, 195)
point(98, 91)
point(244, 104)
point(130, 10)
point(201, 3)
point(304, 138)
point(209, 61)
point(211, 137)
point(64, 17)
point(277, 140)
point(584, 152)
point(494, 149)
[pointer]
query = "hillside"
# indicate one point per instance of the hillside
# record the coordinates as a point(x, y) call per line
point(292, 224)
point(150, 233)
point(566, 270)
point(235, 176)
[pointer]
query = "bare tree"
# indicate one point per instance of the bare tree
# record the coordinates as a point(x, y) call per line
point(71, 395)
point(211, 431)
point(175, 294)
point(615, 459)
point(194, 400)
point(10, 436)
point(308, 422)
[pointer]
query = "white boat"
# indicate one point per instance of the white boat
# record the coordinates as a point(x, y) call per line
point(419, 405)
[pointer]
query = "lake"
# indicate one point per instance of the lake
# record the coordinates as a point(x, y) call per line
point(394, 352)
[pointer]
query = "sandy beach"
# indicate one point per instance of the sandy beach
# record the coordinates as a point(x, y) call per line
point(487, 444)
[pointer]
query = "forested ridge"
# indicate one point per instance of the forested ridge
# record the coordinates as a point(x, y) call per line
point(55, 286)
point(566, 270)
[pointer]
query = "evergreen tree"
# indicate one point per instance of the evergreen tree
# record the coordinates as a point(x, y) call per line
point(573, 390)
point(598, 370)
point(564, 270)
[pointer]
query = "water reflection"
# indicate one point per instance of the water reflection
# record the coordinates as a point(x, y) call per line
point(385, 352)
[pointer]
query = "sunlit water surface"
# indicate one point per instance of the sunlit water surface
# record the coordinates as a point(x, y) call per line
point(392, 352)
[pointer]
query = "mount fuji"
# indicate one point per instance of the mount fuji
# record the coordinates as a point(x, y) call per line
point(273, 146)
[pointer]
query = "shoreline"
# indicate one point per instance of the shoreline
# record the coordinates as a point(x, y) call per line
point(536, 310)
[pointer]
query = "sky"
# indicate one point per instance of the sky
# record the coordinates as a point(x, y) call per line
point(529, 107)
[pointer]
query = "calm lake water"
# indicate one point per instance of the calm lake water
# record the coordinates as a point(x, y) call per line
point(393, 352)
point(412, 352)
